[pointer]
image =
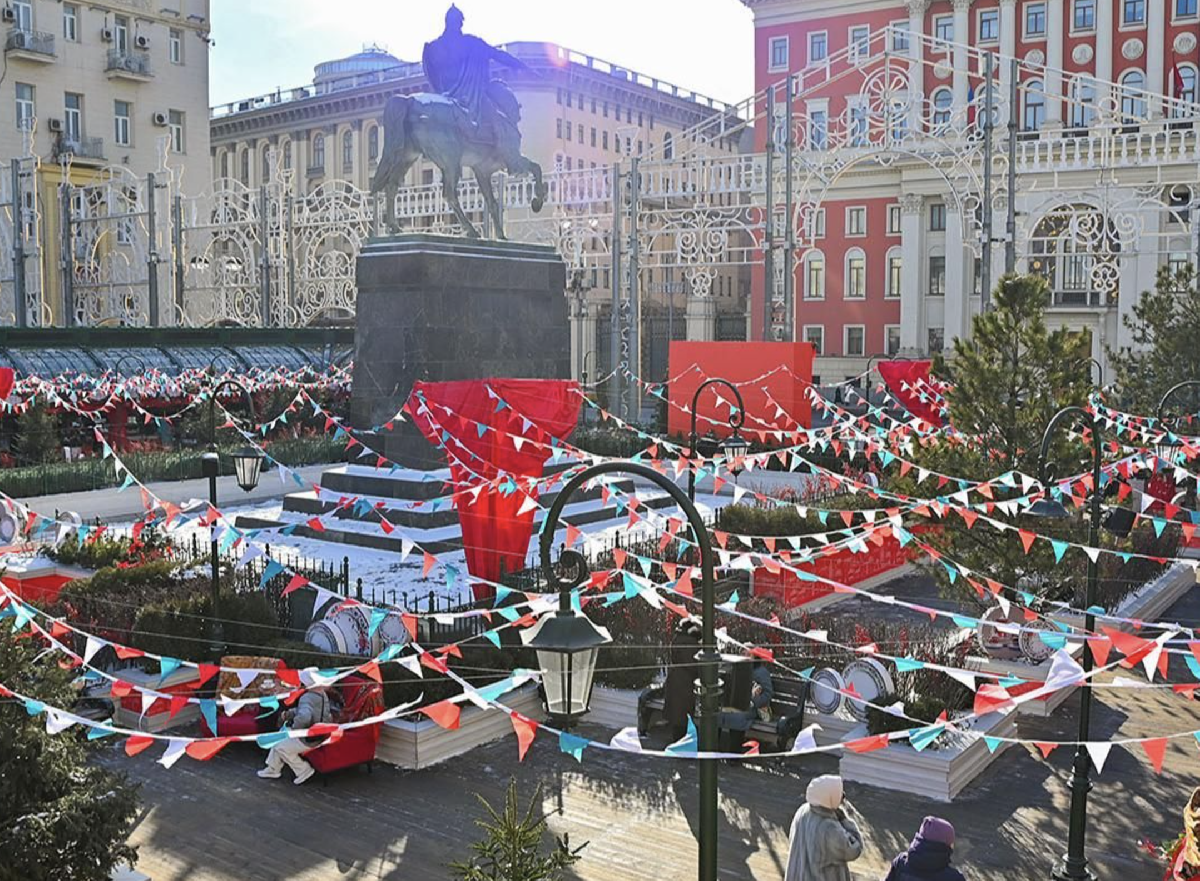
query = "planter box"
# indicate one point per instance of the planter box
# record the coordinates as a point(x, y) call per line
point(413, 744)
point(157, 718)
point(1034, 674)
point(614, 708)
point(833, 728)
point(937, 773)
point(1149, 603)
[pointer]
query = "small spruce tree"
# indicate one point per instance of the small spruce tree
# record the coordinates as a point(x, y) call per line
point(62, 817)
point(512, 849)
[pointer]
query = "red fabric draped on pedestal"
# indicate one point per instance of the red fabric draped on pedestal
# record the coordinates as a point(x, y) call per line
point(915, 375)
point(495, 535)
point(6, 382)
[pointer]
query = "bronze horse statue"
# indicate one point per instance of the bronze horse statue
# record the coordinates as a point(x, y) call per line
point(441, 130)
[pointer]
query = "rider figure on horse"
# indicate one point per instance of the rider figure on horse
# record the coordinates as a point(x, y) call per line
point(458, 66)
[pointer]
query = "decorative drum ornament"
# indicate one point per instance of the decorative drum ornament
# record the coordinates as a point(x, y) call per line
point(353, 624)
point(391, 631)
point(323, 636)
point(1031, 644)
point(994, 641)
point(871, 680)
point(825, 690)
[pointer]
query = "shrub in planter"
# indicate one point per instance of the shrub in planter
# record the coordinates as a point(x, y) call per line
point(184, 628)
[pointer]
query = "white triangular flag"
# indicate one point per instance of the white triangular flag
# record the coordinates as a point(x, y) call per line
point(967, 679)
point(93, 645)
point(1099, 753)
point(412, 665)
point(57, 721)
point(1064, 671)
point(627, 739)
point(174, 752)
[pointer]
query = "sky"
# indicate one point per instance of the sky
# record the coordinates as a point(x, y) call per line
point(703, 45)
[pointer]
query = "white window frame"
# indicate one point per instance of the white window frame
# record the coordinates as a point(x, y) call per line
point(994, 11)
point(25, 108)
point(820, 331)
point(894, 213)
point(1175, 17)
point(1032, 87)
point(936, 125)
point(846, 328)
point(1026, 35)
point(859, 211)
point(123, 125)
point(1141, 112)
point(809, 56)
point(176, 122)
point(942, 207)
point(818, 224)
point(930, 330)
point(893, 253)
point(1071, 12)
point(1178, 106)
point(786, 42)
point(71, 22)
point(821, 106)
point(175, 45)
point(898, 27)
point(857, 110)
point(121, 34)
point(887, 332)
point(859, 46)
point(929, 291)
point(809, 258)
point(73, 132)
point(938, 21)
point(847, 293)
point(23, 14)
point(1133, 25)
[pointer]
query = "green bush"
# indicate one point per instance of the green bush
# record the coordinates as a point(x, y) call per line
point(760, 519)
point(184, 628)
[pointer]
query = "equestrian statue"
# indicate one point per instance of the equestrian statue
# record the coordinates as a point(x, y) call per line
point(469, 121)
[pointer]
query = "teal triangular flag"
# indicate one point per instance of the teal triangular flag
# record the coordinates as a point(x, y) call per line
point(993, 743)
point(572, 745)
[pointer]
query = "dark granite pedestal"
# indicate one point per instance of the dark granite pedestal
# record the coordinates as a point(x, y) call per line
point(439, 308)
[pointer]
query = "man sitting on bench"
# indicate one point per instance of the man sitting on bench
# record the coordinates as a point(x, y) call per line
point(762, 692)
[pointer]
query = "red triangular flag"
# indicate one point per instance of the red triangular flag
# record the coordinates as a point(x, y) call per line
point(444, 713)
point(867, 744)
point(1156, 750)
point(207, 672)
point(525, 728)
point(1026, 539)
point(1046, 748)
point(136, 744)
point(296, 582)
point(203, 750)
point(1099, 647)
point(430, 560)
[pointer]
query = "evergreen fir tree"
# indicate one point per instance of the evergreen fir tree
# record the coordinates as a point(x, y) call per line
point(512, 847)
point(62, 817)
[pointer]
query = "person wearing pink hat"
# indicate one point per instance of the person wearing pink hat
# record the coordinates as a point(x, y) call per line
point(928, 857)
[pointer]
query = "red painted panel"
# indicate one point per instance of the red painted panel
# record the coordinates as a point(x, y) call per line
point(38, 590)
point(739, 362)
point(844, 568)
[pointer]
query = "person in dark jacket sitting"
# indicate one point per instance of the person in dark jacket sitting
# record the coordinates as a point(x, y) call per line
point(928, 857)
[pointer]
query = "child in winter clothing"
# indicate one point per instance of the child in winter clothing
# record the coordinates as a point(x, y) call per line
point(928, 857)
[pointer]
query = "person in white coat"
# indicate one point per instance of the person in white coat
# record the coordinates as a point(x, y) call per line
point(824, 841)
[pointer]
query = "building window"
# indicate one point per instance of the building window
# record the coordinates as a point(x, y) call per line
point(856, 274)
point(779, 49)
point(604, 139)
point(1035, 106)
point(22, 15)
point(814, 276)
point(1133, 12)
point(900, 41)
point(989, 25)
point(122, 111)
point(818, 46)
point(943, 100)
point(855, 340)
point(581, 100)
point(937, 217)
point(244, 167)
point(286, 150)
point(1083, 100)
point(818, 223)
point(818, 129)
point(73, 117)
point(1183, 88)
point(593, 106)
point(175, 127)
point(860, 41)
point(264, 163)
point(175, 46)
point(121, 34)
point(318, 152)
point(893, 220)
point(593, 141)
point(936, 338)
point(859, 124)
point(814, 335)
point(581, 133)
point(1083, 15)
point(373, 144)
point(70, 22)
point(1185, 8)
point(891, 336)
point(347, 152)
point(1177, 261)
point(224, 164)
point(1133, 96)
point(26, 111)
point(943, 28)
point(937, 276)
point(856, 221)
point(668, 147)
point(558, 95)
point(1035, 21)
point(558, 128)
point(894, 275)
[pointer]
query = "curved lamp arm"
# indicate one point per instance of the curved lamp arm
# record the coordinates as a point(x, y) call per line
point(1162, 414)
point(1045, 470)
point(212, 411)
point(736, 419)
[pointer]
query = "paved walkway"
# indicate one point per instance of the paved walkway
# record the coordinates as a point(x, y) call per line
point(109, 504)
point(217, 822)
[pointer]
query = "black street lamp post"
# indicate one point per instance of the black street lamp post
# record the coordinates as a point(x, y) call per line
point(733, 446)
point(708, 658)
point(1163, 415)
point(247, 464)
point(1074, 866)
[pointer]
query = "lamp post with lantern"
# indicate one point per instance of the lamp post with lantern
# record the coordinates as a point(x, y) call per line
point(733, 446)
point(567, 642)
point(247, 465)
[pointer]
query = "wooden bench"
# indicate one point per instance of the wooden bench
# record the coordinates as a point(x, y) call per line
point(787, 713)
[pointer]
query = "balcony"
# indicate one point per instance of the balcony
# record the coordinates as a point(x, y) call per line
point(129, 66)
point(84, 151)
point(30, 45)
point(1079, 299)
